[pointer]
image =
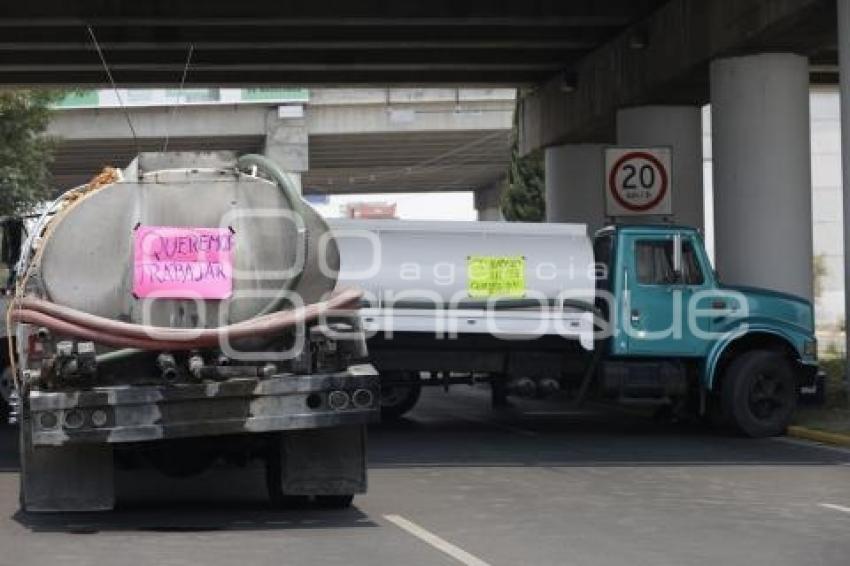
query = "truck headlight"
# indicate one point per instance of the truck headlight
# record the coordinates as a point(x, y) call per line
point(810, 348)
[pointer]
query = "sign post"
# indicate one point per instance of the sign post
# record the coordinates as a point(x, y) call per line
point(638, 181)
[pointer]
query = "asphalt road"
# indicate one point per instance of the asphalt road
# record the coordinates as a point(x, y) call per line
point(457, 484)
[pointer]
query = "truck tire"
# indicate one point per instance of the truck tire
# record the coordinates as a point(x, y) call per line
point(400, 392)
point(759, 394)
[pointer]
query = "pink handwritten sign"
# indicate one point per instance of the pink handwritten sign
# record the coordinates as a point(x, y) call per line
point(183, 263)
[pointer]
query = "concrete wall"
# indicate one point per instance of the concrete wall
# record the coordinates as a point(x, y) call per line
point(762, 171)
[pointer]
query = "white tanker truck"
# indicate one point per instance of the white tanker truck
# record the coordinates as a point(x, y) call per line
point(635, 314)
point(179, 314)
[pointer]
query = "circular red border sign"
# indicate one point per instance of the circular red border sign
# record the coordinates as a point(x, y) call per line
point(612, 181)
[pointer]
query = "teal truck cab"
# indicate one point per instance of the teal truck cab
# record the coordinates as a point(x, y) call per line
point(635, 315)
point(744, 353)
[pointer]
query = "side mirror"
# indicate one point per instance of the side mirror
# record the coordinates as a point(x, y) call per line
point(677, 256)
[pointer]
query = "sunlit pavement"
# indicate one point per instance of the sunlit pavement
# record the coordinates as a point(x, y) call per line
point(456, 483)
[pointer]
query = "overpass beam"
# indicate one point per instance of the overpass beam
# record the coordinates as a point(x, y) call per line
point(762, 171)
point(680, 128)
point(286, 143)
point(488, 202)
point(574, 185)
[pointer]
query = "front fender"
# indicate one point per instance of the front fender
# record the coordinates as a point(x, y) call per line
point(792, 335)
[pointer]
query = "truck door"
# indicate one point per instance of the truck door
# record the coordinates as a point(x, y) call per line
point(656, 318)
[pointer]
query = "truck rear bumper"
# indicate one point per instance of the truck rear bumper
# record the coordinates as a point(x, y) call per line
point(241, 405)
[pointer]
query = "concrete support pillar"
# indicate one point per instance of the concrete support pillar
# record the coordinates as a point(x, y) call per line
point(488, 203)
point(762, 171)
point(844, 78)
point(574, 185)
point(286, 144)
point(680, 128)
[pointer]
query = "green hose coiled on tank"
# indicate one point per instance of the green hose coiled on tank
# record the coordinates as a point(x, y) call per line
point(284, 182)
point(296, 204)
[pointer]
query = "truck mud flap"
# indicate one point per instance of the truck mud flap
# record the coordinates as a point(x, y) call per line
point(328, 461)
point(66, 478)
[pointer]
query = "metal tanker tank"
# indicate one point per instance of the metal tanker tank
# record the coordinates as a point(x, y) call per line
point(83, 264)
point(454, 263)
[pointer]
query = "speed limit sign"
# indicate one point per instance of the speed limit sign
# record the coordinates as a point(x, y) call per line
point(638, 181)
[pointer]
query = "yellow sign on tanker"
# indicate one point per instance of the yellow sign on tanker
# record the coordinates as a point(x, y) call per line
point(492, 276)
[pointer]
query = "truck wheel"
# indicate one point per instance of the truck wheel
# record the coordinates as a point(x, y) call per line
point(759, 396)
point(399, 393)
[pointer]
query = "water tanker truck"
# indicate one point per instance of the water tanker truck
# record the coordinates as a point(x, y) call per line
point(179, 314)
point(636, 315)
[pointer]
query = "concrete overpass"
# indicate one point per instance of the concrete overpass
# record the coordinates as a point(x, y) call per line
point(307, 42)
point(598, 73)
point(340, 140)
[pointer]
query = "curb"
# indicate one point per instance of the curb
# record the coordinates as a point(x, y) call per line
point(833, 438)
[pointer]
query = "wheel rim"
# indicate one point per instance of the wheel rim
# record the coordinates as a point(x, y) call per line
point(768, 397)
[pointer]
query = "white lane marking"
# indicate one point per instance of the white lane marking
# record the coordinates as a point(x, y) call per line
point(835, 507)
point(440, 544)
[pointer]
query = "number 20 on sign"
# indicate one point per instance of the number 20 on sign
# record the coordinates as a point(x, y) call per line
point(638, 181)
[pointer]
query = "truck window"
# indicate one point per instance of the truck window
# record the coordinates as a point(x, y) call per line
point(654, 261)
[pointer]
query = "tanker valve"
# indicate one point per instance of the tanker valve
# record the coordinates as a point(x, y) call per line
point(196, 366)
point(65, 349)
point(167, 366)
point(86, 358)
point(71, 364)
